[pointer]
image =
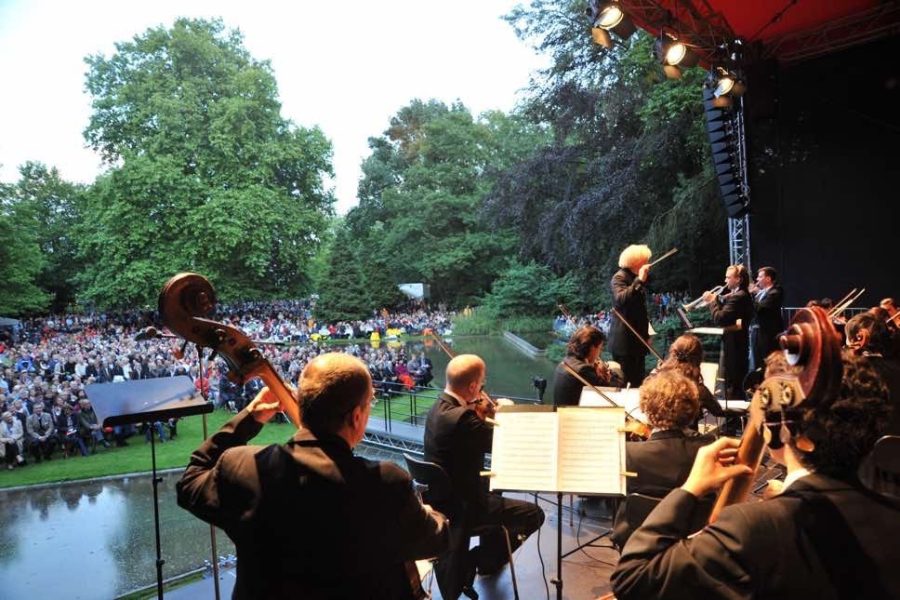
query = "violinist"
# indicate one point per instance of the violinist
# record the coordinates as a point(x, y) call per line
point(629, 294)
point(308, 518)
point(670, 401)
point(685, 355)
point(733, 312)
point(457, 437)
point(583, 357)
point(867, 335)
point(823, 536)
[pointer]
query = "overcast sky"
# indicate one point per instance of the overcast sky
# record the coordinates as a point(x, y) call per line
point(345, 66)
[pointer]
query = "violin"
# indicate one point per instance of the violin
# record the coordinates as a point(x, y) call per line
point(812, 343)
point(184, 302)
point(486, 407)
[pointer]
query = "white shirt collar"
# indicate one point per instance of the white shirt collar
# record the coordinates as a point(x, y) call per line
point(794, 476)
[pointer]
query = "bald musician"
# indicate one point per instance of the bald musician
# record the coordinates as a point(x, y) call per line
point(823, 536)
point(308, 518)
point(457, 438)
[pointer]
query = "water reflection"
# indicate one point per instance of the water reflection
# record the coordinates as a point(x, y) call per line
point(95, 540)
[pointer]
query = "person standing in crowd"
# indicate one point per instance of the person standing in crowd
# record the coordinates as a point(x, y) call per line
point(671, 403)
point(629, 295)
point(822, 536)
point(457, 438)
point(308, 518)
point(583, 357)
point(768, 298)
point(733, 312)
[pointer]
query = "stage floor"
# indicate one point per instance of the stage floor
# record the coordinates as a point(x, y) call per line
point(585, 573)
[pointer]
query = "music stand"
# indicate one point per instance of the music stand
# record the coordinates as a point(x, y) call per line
point(147, 401)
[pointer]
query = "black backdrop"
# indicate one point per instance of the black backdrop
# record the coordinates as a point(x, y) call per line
point(824, 138)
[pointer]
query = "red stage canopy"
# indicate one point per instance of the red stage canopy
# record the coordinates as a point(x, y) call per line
point(788, 30)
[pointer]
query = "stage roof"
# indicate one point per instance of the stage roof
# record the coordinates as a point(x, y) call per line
point(788, 30)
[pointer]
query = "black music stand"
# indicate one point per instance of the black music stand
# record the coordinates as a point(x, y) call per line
point(147, 401)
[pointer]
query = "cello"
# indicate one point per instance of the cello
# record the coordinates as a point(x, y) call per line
point(185, 302)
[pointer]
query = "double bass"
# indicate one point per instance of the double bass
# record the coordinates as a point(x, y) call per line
point(184, 304)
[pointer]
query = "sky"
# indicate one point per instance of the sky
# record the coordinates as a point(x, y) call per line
point(346, 66)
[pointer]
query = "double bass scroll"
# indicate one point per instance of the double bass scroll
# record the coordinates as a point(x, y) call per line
point(184, 302)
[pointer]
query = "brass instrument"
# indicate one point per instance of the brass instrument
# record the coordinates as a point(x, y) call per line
point(692, 305)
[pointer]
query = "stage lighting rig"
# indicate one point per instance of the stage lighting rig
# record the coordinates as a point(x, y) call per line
point(608, 17)
point(674, 55)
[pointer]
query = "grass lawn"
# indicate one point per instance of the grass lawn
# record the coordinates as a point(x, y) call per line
point(135, 457)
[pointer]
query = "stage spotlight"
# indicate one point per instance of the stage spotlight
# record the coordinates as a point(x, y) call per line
point(612, 18)
point(674, 55)
point(725, 83)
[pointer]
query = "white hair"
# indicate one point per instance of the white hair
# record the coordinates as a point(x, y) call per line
point(634, 254)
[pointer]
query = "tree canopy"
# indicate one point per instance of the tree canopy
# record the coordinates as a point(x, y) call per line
point(205, 173)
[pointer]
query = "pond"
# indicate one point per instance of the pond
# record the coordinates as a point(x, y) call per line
point(95, 539)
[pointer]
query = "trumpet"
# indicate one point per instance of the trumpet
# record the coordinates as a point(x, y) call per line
point(692, 305)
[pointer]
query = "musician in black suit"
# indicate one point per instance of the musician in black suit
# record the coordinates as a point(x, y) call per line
point(823, 536)
point(768, 298)
point(629, 294)
point(733, 311)
point(583, 357)
point(670, 402)
point(457, 438)
point(308, 518)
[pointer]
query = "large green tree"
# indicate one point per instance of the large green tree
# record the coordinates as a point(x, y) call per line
point(422, 191)
point(52, 204)
point(205, 175)
point(21, 260)
point(628, 164)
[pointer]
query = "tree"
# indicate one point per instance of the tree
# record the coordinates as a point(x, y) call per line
point(53, 205)
point(343, 294)
point(530, 289)
point(21, 260)
point(206, 175)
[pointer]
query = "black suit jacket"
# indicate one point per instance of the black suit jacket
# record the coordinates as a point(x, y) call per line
point(768, 319)
point(309, 519)
point(822, 538)
point(630, 299)
point(566, 388)
point(662, 463)
point(726, 312)
point(457, 440)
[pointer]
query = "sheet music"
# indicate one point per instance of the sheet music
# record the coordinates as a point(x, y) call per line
point(523, 456)
point(591, 450)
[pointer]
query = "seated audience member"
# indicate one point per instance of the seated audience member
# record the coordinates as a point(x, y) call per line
point(88, 427)
point(670, 401)
point(12, 440)
point(41, 433)
point(823, 536)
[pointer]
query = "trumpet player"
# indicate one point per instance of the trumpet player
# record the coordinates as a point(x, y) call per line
point(733, 311)
point(767, 301)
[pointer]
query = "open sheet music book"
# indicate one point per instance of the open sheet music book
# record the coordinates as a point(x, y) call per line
point(572, 450)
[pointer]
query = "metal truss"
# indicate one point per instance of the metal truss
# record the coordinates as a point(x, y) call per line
point(390, 442)
point(879, 21)
point(739, 229)
point(693, 21)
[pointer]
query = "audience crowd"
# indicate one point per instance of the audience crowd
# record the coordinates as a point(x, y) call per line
point(46, 363)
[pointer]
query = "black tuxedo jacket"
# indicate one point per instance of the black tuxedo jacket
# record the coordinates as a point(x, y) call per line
point(768, 319)
point(457, 440)
point(308, 518)
point(726, 312)
point(566, 388)
point(662, 463)
point(630, 299)
point(822, 538)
